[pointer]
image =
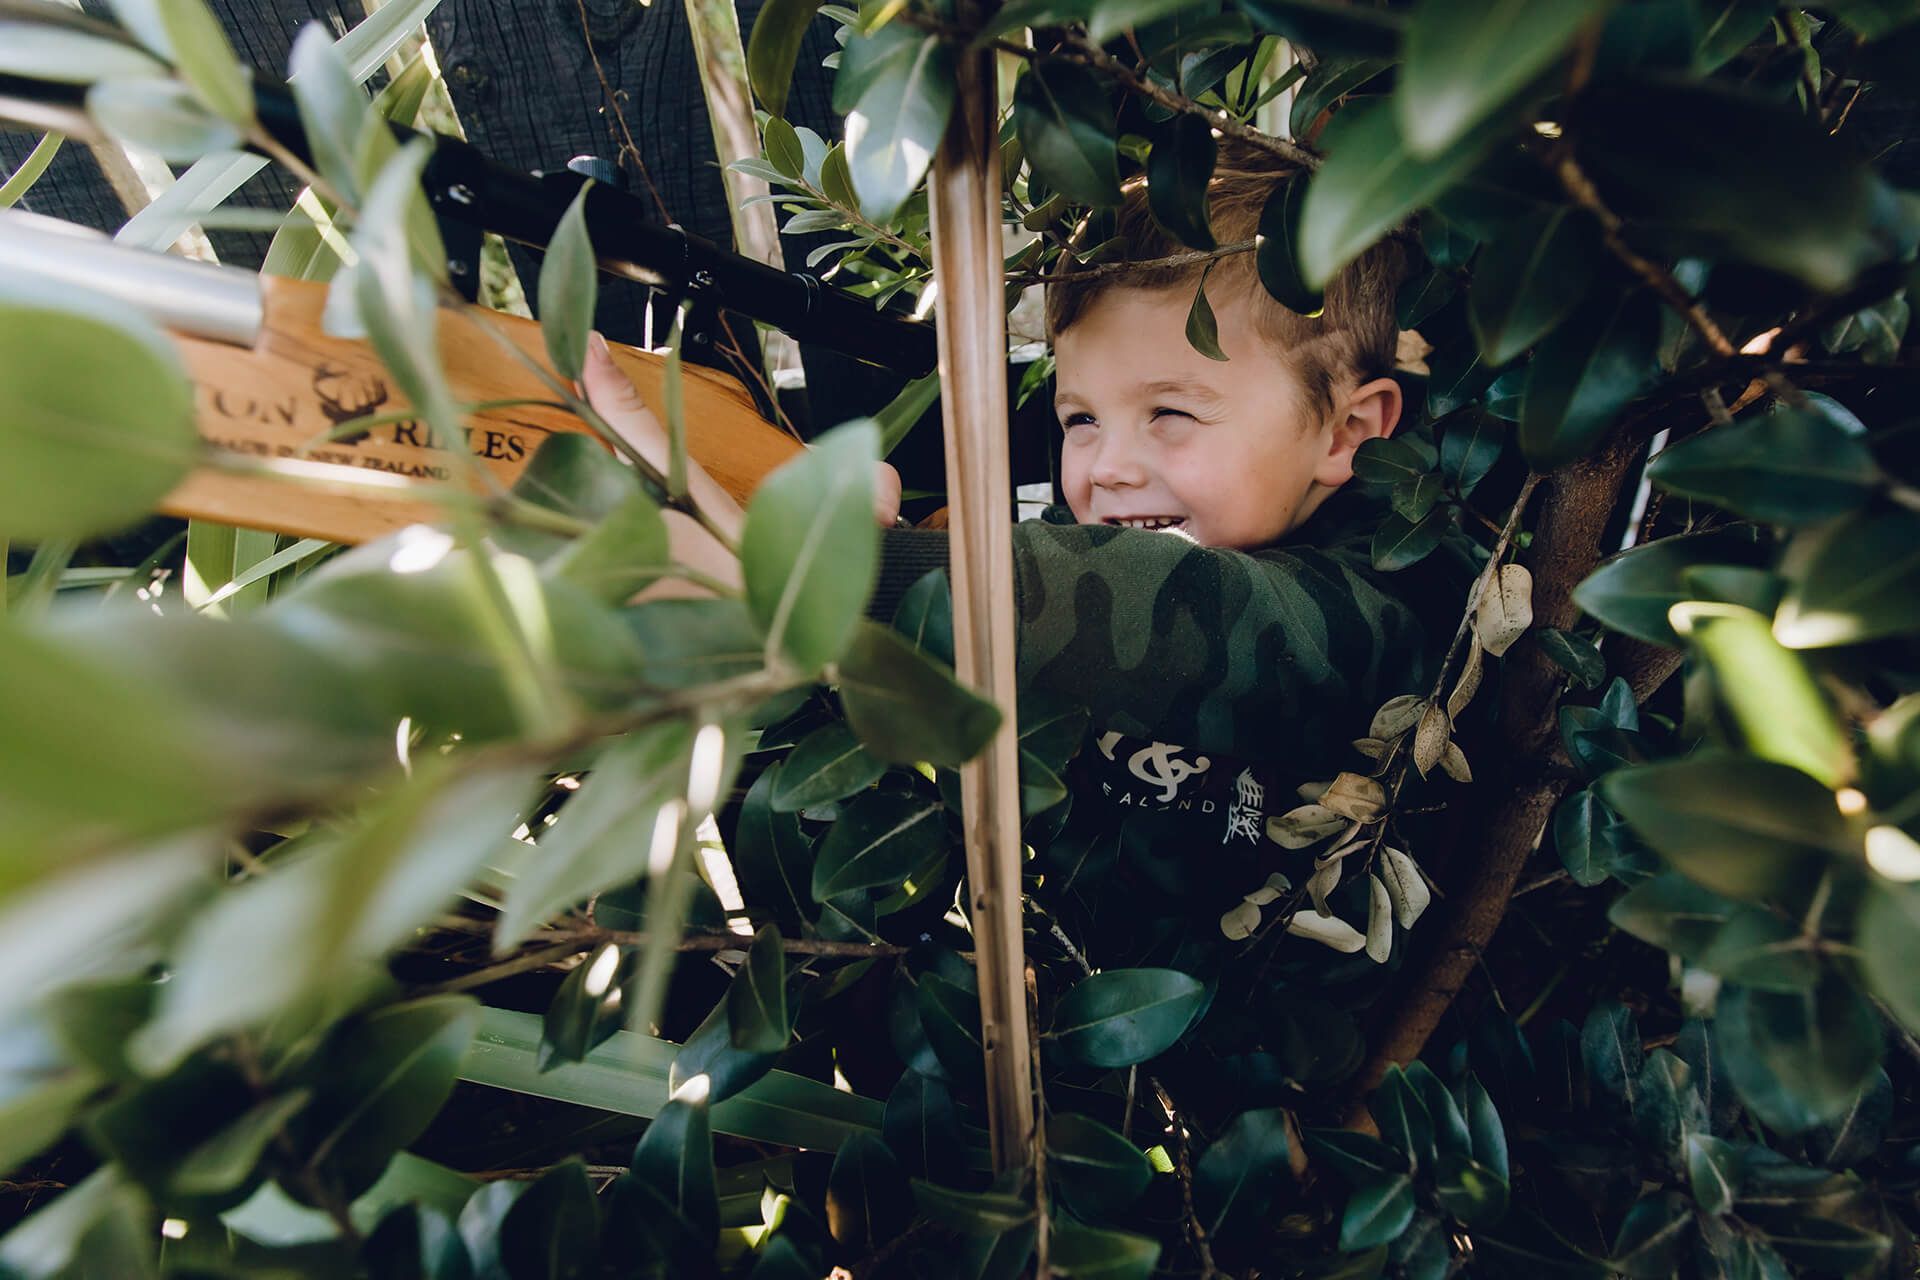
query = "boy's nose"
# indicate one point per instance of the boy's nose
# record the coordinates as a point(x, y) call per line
point(1118, 465)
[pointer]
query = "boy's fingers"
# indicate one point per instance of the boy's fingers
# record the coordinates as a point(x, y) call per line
point(607, 389)
point(886, 494)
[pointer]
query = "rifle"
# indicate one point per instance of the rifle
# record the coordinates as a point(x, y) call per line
point(271, 383)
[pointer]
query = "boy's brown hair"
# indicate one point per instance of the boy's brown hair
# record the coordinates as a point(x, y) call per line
point(1355, 331)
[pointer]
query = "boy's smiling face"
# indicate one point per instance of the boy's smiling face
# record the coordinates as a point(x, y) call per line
point(1229, 454)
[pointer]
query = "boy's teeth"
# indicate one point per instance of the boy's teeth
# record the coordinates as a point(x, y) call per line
point(1150, 522)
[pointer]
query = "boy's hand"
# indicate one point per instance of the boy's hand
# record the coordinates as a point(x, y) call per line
point(615, 398)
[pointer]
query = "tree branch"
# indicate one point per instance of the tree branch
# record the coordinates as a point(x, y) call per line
point(1512, 810)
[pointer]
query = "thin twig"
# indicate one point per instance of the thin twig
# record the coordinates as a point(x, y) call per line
point(1042, 1214)
point(513, 968)
point(1079, 48)
point(1580, 187)
point(587, 937)
point(612, 96)
point(1192, 258)
point(1195, 1231)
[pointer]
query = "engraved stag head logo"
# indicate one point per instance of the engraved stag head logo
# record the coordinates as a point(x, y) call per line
point(345, 395)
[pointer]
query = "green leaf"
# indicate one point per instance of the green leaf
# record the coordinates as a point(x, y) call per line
point(1781, 713)
point(1798, 1058)
point(1400, 542)
point(810, 546)
point(922, 1126)
point(1728, 26)
point(1526, 282)
point(629, 1076)
point(1237, 1176)
point(205, 59)
point(869, 1199)
point(1420, 297)
point(378, 1081)
point(1747, 828)
point(971, 1212)
point(43, 51)
point(1413, 499)
point(1382, 460)
point(906, 707)
point(603, 833)
point(38, 1104)
point(772, 856)
point(1404, 1122)
point(625, 551)
point(1470, 445)
point(1856, 1133)
point(86, 454)
point(1088, 1253)
point(1470, 1191)
point(1124, 1016)
point(1633, 591)
point(709, 1052)
point(1277, 256)
point(1796, 467)
point(589, 1005)
point(1100, 1173)
point(161, 116)
point(1852, 581)
point(1575, 655)
point(552, 1230)
point(1583, 835)
point(1356, 1157)
point(1376, 1213)
point(228, 1159)
point(1825, 1246)
point(1325, 85)
point(1888, 935)
point(1713, 1171)
point(828, 764)
point(1330, 28)
point(332, 107)
point(1610, 1048)
point(1465, 61)
point(903, 413)
point(1065, 127)
point(896, 125)
point(757, 998)
point(881, 838)
point(950, 1020)
point(774, 47)
point(1203, 332)
point(1673, 913)
point(674, 1158)
point(1368, 184)
point(1584, 373)
point(1671, 158)
point(1178, 169)
point(389, 293)
point(101, 1225)
point(569, 288)
point(1488, 1135)
point(1652, 1236)
point(1876, 332)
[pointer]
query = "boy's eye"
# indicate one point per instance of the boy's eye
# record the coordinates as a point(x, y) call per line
point(1073, 420)
point(1162, 411)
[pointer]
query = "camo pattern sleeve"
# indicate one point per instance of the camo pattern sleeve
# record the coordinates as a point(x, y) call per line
point(1265, 656)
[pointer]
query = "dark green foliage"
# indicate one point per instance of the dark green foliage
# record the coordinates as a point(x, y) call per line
point(242, 855)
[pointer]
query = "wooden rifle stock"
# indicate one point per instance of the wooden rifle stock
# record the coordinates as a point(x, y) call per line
point(281, 398)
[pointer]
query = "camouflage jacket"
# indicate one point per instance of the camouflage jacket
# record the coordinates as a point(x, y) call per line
point(1217, 680)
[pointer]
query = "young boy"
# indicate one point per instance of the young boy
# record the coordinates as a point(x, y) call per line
point(1213, 604)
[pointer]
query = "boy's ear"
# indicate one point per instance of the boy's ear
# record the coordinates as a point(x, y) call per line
point(1372, 412)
